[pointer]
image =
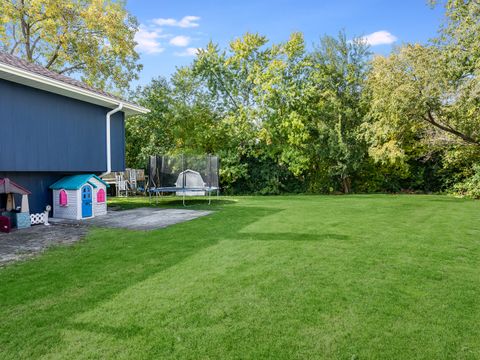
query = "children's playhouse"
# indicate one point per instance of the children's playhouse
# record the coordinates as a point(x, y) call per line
point(79, 197)
point(11, 215)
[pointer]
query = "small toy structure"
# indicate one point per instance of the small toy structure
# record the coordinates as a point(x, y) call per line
point(79, 197)
point(19, 217)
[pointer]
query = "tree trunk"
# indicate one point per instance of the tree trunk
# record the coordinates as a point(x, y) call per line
point(346, 184)
point(25, 25)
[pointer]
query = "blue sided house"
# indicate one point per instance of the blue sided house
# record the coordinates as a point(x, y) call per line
point(54, 128)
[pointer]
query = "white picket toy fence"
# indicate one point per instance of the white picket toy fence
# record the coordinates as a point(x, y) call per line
point(37, 218)
point(40, 218)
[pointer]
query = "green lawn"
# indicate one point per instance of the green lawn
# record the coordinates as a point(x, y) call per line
point(295, 277)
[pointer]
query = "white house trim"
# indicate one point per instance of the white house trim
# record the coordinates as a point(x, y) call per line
point(108, 139)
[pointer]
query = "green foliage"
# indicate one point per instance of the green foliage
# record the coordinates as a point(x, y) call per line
point(416, 96)
point(428, 93)
point(333, 119)
point(341, 70)
point(471, 186)
point(92, 38)
point(273, 113)
point(151, 133)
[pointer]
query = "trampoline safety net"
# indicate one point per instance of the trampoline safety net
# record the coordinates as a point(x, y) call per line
point(186, 175)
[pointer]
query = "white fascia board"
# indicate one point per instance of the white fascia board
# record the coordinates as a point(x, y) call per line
point(36, 81)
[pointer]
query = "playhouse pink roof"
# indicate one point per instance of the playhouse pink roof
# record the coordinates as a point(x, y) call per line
point(7, 186)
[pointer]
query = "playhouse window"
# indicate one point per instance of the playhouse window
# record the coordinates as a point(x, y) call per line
point(101, 196)
point(63, 198)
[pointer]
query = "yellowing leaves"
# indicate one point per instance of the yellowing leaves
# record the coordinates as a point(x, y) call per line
point(93, 38)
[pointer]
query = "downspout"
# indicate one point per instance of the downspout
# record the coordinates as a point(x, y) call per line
point(109, 142)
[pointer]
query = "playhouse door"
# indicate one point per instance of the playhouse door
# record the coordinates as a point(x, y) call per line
point(86, 201)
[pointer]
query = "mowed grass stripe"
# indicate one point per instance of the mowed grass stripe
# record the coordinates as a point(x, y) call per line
point(270, 277)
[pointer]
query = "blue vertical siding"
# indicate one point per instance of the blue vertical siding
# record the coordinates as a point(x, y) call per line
point(46, 132)
point(45, 136)
point(118, 141)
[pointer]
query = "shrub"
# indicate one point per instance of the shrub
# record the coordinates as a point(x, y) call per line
point(471, 186)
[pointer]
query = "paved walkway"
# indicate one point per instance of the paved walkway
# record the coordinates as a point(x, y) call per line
point(24, 243)
point(21, 244)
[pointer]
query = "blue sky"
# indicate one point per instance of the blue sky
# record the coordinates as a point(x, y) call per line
point(171, 31)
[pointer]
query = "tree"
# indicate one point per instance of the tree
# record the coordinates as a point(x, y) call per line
point(429, 93)
point(182, 120)
point(150, 134)
point(341, 70)
point(312, 109)
point(229, 79)
point(93, 38)
point(276, 114)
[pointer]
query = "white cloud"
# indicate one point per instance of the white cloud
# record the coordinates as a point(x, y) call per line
point(191, 51)
point(180, 40)
point(382, 37)
point(165, 22)
point(151, 38)
point(147, 41)
point(185, 22)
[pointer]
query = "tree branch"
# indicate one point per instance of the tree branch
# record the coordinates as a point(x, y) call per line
point(431, 120)
point(35, 42)
point(14, 36)
point(226, 90)
point(73, 67)
point(54, 56)
point(57, 49)
point(25, 31)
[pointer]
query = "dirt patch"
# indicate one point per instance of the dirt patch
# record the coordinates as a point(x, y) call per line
point(24, 243)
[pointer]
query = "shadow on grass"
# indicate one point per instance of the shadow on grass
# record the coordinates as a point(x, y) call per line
point(38, 298)
point(166, 202)
point(194, 202)
point(287, 236)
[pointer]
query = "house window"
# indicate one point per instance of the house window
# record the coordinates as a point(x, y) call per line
point(101, 196)
point(63, 198)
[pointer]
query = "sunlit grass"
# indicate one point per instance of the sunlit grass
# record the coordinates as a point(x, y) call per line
point(297, 277)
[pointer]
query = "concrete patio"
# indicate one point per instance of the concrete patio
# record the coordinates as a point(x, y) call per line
point(21, 244)
point(138, 219)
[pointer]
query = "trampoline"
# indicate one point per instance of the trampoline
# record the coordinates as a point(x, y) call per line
point(183, 175)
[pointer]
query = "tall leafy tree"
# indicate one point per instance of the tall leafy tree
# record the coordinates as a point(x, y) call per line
point(93, 38)
point(286, 95)
point(313, 109)
point(429, 93)
point(229, 77)
point(341, 70)
point(150, 133)
point(272, 112)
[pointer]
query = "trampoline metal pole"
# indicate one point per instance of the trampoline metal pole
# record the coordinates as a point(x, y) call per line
point(184, 179)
